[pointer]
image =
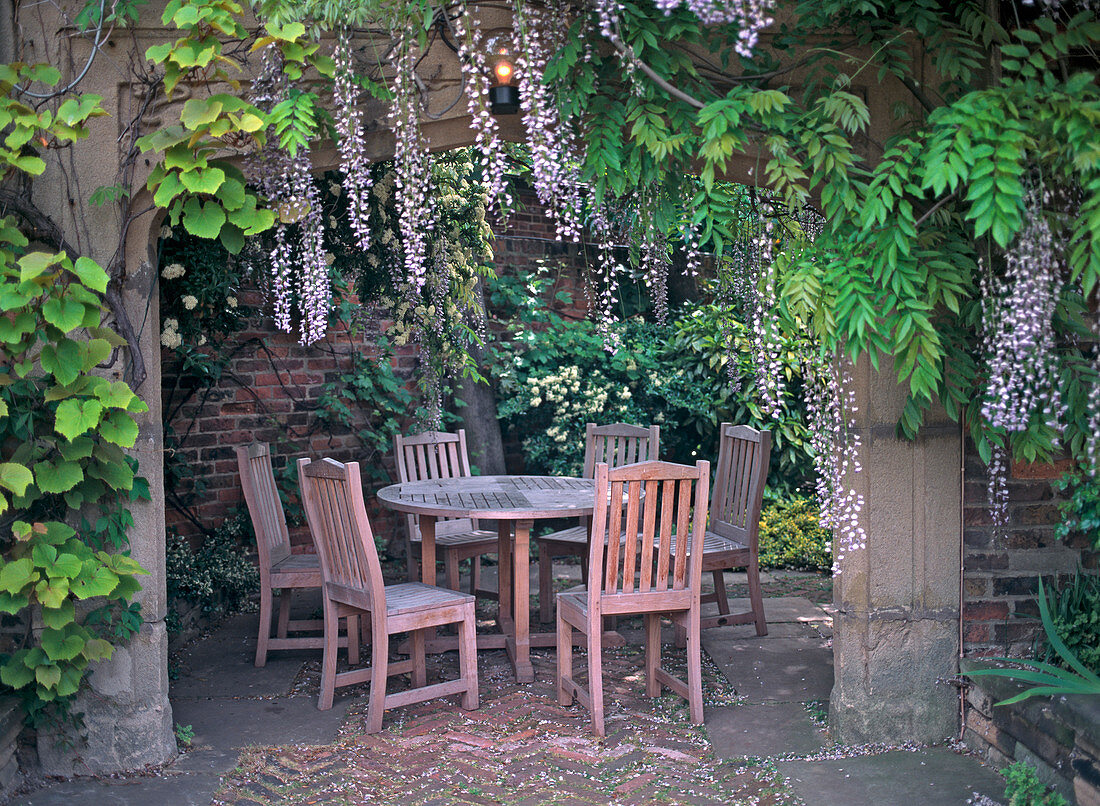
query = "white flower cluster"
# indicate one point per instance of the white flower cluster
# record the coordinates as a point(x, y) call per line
point(173, 271)
point(170, 336)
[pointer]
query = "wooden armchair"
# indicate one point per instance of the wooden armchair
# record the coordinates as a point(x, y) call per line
point(644, 572)
point(333, 498)
point(732, 538)
point(439, 455)
point(616, 445)
point(279, 569)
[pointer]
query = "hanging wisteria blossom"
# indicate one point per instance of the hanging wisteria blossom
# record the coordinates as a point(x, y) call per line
point(349, 128)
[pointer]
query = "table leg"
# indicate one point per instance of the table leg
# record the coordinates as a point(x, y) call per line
point(521, 580)
point(427, 549)
point(504, 571)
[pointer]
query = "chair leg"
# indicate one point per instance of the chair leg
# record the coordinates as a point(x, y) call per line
point(652, 654)
point(720, 591)
point(467, 658)
point(565, 660)
point(380, 650)
point(416, 650)
point(284, 611)
point(756, 599)
point(694, 668)
point(353, 640)
point(595, 676)
point(475, 575)
point(450, 559)
point(328, 664)
point(546, 585)
point(265, 625)
point(412, 565)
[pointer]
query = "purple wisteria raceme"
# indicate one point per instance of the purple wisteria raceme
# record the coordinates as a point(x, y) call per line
point(296, 274)
point(412, 168)
point(655, 265)
point(765, 332)
point(1018, 310)
point(835, 446)
point(997, 487)
point(750, 16)
point(472, 49)
point(556, 154)
point(349, 127)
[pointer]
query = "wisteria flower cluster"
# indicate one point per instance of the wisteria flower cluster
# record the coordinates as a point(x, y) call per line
point(750, 16)
point(1021, 355)
point(472, 48)
point(555, 150)
point(412, 167)
point(349, 128)
point(298, 273)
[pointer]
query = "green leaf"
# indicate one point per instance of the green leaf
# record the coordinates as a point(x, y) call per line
point(119, 427)
point(91, 274)
point(98, 649)
point(203, 220)
point(95, 580)
point(199, 112)
point(47, 676)
point(61, 644)
point(203, 180)
point(58, 617)
point(10, 603)
point(63, 360)
point(75, 417)
point(17, 574)
point(36, 263)
point(15, 477)
point(63, 313)
point(15, 672)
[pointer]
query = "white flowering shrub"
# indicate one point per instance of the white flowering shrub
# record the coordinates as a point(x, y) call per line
point(557, 375)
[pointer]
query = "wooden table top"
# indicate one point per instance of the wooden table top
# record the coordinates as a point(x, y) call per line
point(493, 497)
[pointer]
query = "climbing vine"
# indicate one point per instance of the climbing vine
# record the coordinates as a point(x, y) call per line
point(64, 429)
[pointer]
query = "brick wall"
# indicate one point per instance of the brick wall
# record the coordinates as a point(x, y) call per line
point(1002, 566)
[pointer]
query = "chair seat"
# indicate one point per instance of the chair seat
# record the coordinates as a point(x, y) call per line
point(297, 571)
point(412, 597)
point(715, 544)
point(576, 534)
point(478, 536)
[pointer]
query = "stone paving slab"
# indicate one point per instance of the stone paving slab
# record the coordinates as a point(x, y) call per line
point(780, 609)
point(773, 670)
point(760, 731)
point(933, 777)
point(169, 789)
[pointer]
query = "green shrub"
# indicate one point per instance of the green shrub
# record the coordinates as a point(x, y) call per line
point(791, 536)
point(219, 576)
point(1081, 508)
point(1075, 612)
point(1023, 788)
point(558, 375)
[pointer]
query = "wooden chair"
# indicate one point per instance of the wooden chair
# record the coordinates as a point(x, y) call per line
point(615, 445)
point(626, 581)
point(732, 539)
point(279, 569)
point(439, 455)
point(333, 498)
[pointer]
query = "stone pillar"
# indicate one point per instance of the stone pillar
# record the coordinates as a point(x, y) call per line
point(127, 717)
point(896, 634)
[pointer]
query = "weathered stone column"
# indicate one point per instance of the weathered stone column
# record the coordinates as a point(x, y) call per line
point(896, 634)
point(127, 717)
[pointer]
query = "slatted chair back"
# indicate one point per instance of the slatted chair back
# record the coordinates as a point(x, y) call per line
point(744, 454)
point(433, 455)
point(261, 496)
point(665, 516)
point(619, 444)
point(332, 494)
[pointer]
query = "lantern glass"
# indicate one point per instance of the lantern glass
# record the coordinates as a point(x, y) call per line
point(502, 61)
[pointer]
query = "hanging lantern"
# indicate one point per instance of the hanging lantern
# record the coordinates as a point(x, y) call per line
point(503, 84)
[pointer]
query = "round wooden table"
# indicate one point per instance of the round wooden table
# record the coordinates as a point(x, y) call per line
point(515, 502)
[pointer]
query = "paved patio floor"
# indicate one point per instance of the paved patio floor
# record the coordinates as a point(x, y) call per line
point(258, 738)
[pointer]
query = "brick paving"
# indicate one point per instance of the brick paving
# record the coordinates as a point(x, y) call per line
point(520, 748)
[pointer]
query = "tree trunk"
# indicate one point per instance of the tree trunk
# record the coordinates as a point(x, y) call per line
point(479, 415)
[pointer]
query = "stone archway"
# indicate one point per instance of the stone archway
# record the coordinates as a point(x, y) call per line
point(898, 602)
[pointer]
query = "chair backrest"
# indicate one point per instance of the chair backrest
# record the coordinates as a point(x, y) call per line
point(332, 494)
point(433, 455)
point(662, 500)
point(619, 444)
point(261, 496)
point(743, 459)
